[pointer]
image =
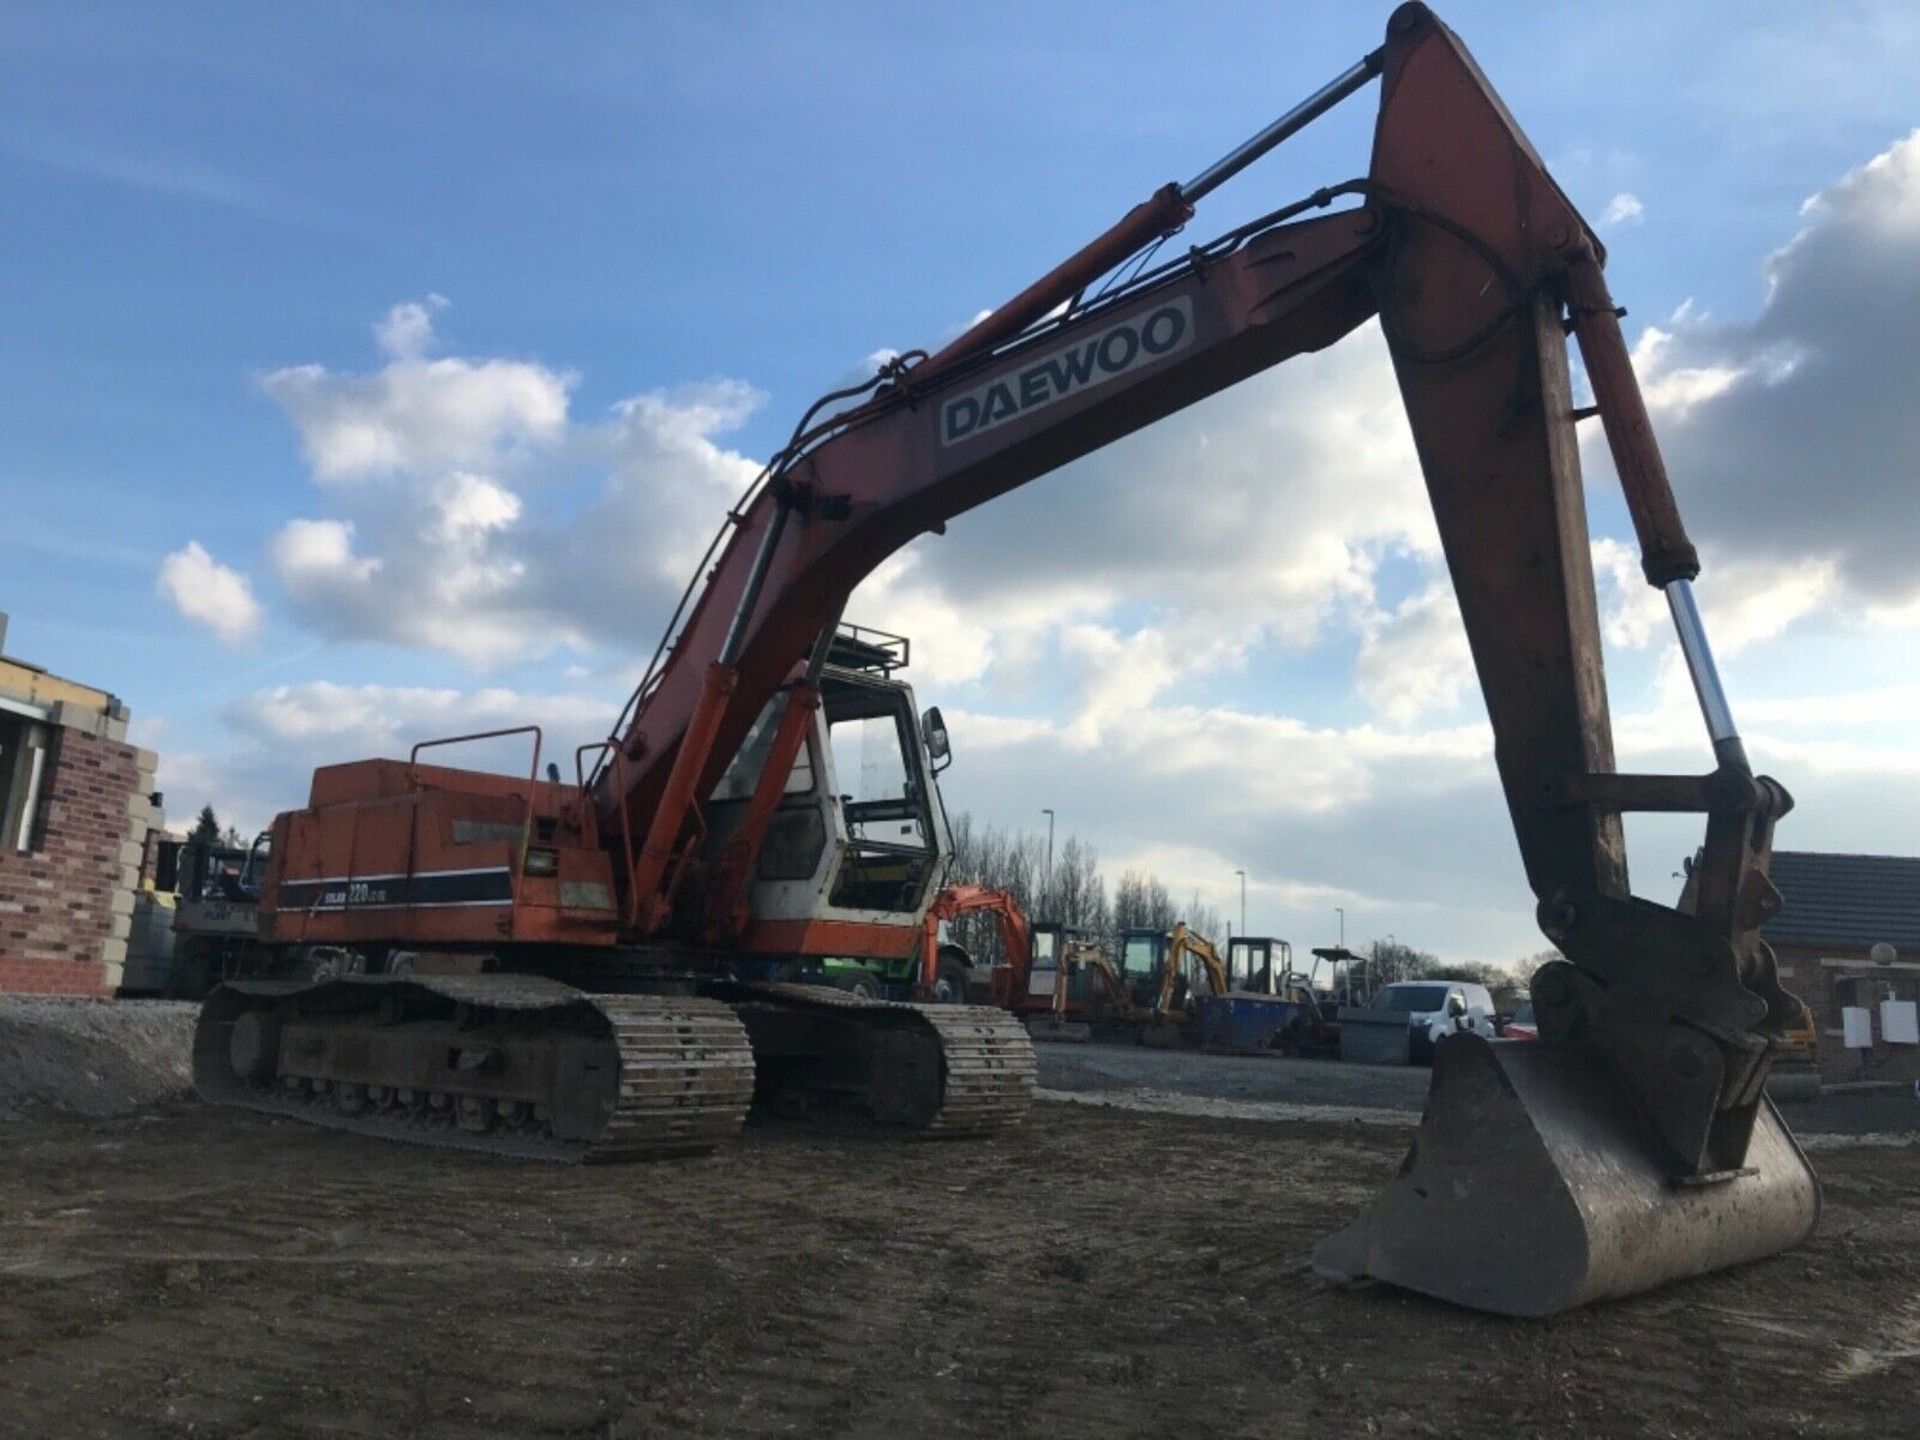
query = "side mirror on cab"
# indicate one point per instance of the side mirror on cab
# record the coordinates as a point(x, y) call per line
point(933, 730)
point(1456, 1007)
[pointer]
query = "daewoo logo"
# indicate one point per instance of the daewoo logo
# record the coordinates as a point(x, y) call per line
point(1121, 347)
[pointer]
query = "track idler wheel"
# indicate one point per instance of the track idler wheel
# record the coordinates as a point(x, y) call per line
point(1533, 1186)
point(253, 1046)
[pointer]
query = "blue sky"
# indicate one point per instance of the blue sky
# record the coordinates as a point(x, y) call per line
point(727, 207)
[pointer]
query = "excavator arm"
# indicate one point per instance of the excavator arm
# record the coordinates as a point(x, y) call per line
point(1180, 946)
point(1016, 936)
point(1478, 269)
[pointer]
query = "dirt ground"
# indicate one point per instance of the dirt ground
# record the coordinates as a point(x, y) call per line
point(1101, 1273)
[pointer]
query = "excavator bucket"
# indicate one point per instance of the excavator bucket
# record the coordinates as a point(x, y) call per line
point(1053, 1029)
point(1532, 1187)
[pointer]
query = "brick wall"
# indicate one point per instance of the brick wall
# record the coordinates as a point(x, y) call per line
point(65, 910)
point(1804, 972)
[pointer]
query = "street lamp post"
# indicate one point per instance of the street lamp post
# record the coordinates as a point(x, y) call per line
point(1046, 885)
point(1341, 911)
point(1243, 900)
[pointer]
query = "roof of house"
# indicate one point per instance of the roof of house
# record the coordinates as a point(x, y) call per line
point(1847, 900)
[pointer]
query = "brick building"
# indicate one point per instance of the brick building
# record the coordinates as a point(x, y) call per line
point(1838, 908)
point(75, 807)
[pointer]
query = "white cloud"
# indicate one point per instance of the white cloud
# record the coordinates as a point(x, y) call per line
point(446, 586)
point(1415, 660)
point(1632, 612)
point(420, 415)
point(444, 551)
point(1743, 602)
point(209, 593)
point(1791, 438)
point(407, 331)
point(318, 552)
point(438, 547)
point(1671, 389)
point(354, 721)
point(1623, 209)
point(667, 484)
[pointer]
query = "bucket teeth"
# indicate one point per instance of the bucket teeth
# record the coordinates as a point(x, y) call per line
point(1533, 1186)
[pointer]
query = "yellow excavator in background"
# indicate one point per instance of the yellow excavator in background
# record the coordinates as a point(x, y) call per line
point(1190, 969)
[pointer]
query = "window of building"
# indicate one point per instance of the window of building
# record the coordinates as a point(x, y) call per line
point(26, 772)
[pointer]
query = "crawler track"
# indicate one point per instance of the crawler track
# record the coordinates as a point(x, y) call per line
point(982, 1081)
point(989, 1069)
point(509, 1065)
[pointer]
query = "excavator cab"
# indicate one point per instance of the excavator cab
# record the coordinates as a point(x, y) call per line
point(1143, 958)
point(859, 834)
point(1050, 939)
point(1259, 964)
point(889, 848)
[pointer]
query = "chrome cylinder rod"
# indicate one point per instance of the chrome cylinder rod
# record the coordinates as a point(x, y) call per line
point(1693, 645)
point(756, 577)
point(1291, 123)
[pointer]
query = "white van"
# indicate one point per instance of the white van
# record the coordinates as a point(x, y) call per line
point(1435, 1007)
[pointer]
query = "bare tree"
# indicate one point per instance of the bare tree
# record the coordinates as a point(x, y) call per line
point(1392, 961)
point(1206, 921)
point(1077, 894)
point(1074, 893)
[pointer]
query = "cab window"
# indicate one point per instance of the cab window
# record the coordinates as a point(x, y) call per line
point(1141, 955)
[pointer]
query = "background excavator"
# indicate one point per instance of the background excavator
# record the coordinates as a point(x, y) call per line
point(1163, 974)
point(1038, 994)
point(614, 953)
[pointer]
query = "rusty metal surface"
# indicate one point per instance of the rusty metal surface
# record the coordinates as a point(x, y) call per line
point(682, 1079)
point(1532, 1186)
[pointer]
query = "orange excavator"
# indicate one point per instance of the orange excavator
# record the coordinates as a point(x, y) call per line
point(604, 966)
point(1046, 1016)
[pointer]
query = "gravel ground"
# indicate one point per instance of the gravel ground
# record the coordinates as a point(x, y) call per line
point(92, 1058)
point(1097, 1273)
point(1110, 1069)
point(180, 1271)
point(1252, 1086)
